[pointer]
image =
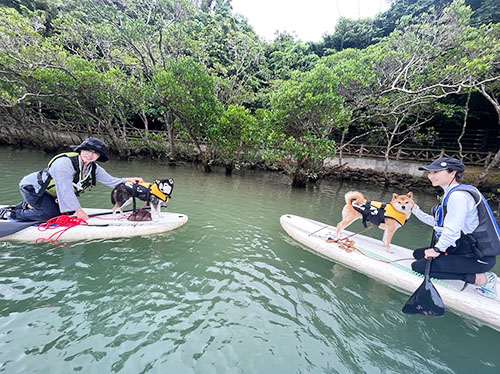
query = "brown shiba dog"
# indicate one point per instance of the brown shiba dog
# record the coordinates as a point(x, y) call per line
point(388, 217)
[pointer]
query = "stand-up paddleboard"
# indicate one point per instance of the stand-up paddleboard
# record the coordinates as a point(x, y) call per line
point(100, 225)
point(373, 260)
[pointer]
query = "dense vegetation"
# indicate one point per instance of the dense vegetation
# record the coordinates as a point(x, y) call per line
point(189, 79)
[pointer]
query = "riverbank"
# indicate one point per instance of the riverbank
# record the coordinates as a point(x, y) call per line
point(408, 176)
point(402, 183)
point(402, 176)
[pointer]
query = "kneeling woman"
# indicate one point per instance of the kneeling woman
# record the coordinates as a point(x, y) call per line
point(468, 237)
point(55, 189)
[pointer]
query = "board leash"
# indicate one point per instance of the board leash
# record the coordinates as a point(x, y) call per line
point(349, 246)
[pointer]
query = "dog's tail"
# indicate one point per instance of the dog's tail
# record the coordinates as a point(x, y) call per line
point(356, 196)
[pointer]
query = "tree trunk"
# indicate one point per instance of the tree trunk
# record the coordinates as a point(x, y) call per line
point(466, 115)
point(299, 181)
point(491, 165)
point(114, 138)
point(145, 121)
point(171, 140)
point(493, 101)
point(341, 148)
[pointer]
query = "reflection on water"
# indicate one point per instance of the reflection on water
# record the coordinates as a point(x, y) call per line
point(229, 292)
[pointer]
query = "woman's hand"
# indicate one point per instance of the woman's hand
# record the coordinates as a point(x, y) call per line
point(80, 213)
point(431, 252)
point(135, 180)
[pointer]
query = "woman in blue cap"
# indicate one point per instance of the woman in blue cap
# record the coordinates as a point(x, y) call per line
point(54, 190)
point(466, 235)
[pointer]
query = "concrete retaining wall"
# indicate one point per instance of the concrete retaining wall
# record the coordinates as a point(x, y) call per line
point(401, 167)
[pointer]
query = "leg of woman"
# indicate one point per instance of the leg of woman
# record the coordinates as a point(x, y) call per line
point(45, 210)
point(456, 267)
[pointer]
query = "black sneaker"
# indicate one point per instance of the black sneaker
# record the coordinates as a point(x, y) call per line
point(3, 213)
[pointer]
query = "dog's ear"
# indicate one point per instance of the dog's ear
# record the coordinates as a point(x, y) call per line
point(157, 181)
point(410, 195)
point(394, 196)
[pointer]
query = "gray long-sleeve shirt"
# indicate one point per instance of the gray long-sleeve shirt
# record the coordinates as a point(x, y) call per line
point(62, 171)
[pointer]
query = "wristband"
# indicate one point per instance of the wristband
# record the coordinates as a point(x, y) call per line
point(440, 251)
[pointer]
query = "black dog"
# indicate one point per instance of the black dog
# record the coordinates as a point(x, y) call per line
point(153, 193)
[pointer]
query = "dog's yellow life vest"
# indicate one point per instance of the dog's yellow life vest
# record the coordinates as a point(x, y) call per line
point(154, 190)
point(390, 211)
point(376, 212)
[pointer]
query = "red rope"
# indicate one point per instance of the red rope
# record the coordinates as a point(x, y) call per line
point(64, 221)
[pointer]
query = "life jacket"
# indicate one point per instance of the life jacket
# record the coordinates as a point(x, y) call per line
point(376, 212)
point(49, 185)
point(486, 236)
point(145, 190)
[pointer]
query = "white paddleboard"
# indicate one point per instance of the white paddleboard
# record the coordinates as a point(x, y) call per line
point(101, 226)
point(373, 260)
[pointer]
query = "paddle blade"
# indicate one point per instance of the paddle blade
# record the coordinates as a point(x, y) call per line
point(425, 301)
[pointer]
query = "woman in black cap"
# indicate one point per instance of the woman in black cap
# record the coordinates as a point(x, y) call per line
point(55, 189)
point(466, 240)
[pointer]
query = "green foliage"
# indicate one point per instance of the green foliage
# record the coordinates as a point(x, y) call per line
point(350, 33)
point(285, 55)
point(239, 137)
point(188, 92)
point(107, 67)
point(302, 114)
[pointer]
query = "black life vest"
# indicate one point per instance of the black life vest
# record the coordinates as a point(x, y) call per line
point(145, 190)
point(48, 185)
point(487, 234)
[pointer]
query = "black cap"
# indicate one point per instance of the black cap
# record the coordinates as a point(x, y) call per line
point(445, 163)
point(93, 144)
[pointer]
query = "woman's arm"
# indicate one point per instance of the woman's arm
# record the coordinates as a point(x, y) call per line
point(107, 179)
point(422, 216)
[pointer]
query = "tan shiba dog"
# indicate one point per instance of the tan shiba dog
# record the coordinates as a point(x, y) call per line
point(388, 217)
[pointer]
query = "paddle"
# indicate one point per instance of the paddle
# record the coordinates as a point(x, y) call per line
point(11, 227)
point(425, 300)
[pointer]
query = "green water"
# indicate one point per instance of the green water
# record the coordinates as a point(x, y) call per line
point(229, 292)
